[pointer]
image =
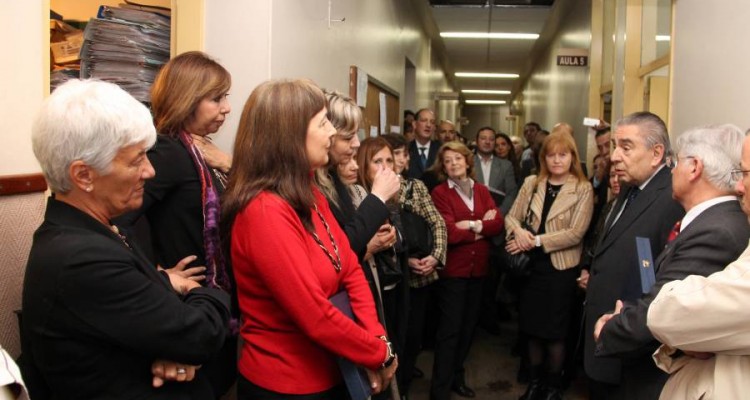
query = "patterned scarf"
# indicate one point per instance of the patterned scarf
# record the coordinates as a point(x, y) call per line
point(216, 272)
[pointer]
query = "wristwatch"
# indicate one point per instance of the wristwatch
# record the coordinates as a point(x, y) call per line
point(391, 355)
point(537, 241)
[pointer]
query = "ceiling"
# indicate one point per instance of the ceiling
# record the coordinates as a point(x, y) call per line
point(489, 55)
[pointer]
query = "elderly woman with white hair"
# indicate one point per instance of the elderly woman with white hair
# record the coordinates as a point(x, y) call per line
point(99, 320)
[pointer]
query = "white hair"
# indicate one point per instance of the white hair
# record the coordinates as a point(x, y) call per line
point(719, 147)
point(87, 120)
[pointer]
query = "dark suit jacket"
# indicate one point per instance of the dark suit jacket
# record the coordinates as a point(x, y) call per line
point(416, 171)
point(502, 178)
point(713, 240)
point(615, 267)
point(96, 315)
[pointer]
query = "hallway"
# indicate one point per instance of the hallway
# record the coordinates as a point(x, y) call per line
point(490, 369)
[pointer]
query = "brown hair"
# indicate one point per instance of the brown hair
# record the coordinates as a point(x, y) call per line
point(269, 150)
point(366, 153)
point(181, 85)
point(560, 140)
point(458, 147)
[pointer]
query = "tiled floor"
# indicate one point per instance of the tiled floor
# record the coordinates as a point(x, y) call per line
point(490, 370)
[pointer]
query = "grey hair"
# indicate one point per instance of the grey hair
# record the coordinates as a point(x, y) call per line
point(87, 120)
point(719, 147)
point(650, 125)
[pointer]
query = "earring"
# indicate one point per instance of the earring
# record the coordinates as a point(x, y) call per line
point(89, 189)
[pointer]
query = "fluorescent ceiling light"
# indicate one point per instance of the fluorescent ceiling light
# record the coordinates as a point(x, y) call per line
point(477, 91)
point(485, 75)
point(490, 35)
point(485, 101)
point(663, 38)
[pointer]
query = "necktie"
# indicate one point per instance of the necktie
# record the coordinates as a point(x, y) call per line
point(632, 194)
point(674, 232)
point(423, 156)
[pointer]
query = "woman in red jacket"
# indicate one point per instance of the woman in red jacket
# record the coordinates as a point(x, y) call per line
point(290, 256)
point(472, 218)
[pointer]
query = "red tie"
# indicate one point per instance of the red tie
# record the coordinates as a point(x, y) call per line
point(675, 231)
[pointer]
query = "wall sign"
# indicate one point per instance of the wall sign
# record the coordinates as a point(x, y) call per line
point(573, 61)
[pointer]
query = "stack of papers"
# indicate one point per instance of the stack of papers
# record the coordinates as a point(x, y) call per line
point(126, 47)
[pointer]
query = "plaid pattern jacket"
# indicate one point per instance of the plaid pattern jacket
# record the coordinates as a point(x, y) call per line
point(421, 204)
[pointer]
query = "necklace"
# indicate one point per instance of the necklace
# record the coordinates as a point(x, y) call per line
point(553, 190)
point(337, 261)
point(122, 237)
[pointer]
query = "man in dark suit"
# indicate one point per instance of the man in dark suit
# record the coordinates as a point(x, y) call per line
point(497, 174)
point(713, 233)
point(423, 150)
point(645, 209)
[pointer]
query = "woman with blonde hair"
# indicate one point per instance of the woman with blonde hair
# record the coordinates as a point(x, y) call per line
point(549, 219)
point(290, 256)
point(472, 219)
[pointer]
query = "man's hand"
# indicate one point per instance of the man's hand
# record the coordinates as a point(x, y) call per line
point(604, 319)
point(583, 279)
point(165, 370)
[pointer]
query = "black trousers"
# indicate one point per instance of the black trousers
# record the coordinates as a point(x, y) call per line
point(247, 390)
point(418, 298)
point(458, 301)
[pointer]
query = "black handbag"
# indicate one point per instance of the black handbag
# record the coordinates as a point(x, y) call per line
point(417, 232)
point(519, 264)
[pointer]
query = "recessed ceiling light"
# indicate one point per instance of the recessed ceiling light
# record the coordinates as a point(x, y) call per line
point(489, 35)
point(485, 101)
point(663, 38)
point(477, 91)
point(485, 75)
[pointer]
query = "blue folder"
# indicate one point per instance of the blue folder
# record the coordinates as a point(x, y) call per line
point(645, 264)
point(355, 377)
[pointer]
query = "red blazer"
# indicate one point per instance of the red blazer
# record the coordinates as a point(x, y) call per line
point(467, 257)
point(291, 331)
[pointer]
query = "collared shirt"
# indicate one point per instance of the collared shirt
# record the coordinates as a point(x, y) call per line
point(486, 164)
point(694, 212)
point(469, 201)
point(641, 187)
point(423, 149)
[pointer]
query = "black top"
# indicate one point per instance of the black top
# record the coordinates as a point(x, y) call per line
point(549, 197)
point(173, 205)
point(96, 314)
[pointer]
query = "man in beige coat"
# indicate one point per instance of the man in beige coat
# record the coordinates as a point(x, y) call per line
point(706, 318)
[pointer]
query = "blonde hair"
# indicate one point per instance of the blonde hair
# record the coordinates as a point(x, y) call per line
point(459, 148)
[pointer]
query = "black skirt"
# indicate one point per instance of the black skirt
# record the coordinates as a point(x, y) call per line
point(547, 298)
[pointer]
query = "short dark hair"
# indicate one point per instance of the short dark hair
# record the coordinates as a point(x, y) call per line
point(396, 141)
point(409, 112)
point(486, 128)
point(602, 131)
point(535, 125)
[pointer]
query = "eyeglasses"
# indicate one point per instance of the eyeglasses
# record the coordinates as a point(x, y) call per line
point(738, 174)
point(674, 161)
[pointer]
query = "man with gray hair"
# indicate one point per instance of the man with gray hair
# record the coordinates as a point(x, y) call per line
point(705, 317)
point(645, 212)
point(713, 232)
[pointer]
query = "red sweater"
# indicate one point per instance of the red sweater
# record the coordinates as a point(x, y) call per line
point(467, 257)
point(284, 279)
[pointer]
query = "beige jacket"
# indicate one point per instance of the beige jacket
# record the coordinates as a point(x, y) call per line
point(705, 314)
point(567, 220)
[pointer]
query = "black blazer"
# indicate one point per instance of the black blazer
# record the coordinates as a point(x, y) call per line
point(615, 273)
point(711, 242)
point(96, 314)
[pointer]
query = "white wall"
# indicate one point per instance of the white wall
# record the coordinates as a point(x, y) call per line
point(480, 116)
point(264, 39)
point(21, 85)
point(560, 93)
point(711, 54)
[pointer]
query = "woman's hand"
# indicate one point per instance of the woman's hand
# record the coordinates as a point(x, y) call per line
point(465, 224)
point(165, 370)
point(583, 279)
point(423, 266)
point(511, 246)
point(184, 280)
point(376, 383)
point(524, 239)
point(215, 158)
point(386, 374)
point(490, 215)
point(384, 238)
point(386, 184)
point(192, 273)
